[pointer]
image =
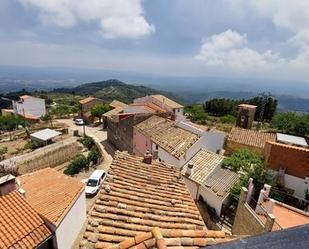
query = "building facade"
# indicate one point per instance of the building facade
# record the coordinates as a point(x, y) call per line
point(29, 107)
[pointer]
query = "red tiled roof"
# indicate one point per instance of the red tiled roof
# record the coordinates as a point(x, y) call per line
point(250, 137)
point(138, 197)
point(115, 103)
point(153, 108)
point(87, 100)
point(51, 193)
point(20, 225)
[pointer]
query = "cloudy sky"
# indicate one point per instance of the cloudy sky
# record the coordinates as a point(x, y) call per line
point(223, 38)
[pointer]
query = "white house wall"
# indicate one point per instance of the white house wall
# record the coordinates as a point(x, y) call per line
point(296, 183)
point(211, 199)
point(34, 106)
point(192, 187)
point(167, 157)
point(69, 228)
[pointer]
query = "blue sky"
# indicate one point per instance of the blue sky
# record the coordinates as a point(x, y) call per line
point(222, 38)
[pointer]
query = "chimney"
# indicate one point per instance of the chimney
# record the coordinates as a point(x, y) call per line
point(22, 192)
point(189, 170)
point(147, 157)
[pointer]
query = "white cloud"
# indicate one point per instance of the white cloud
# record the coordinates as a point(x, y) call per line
point(115, 18)
point(230, 49)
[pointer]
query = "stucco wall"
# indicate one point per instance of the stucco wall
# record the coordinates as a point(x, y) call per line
point(34, 106)
point(298, 184)
point(211, 199)
point(69, 228)
point(140, 143)
point(192, 187)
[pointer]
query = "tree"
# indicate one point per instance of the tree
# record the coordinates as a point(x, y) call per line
point(290, 122)
point(10, 122)
point(250, 165)
point(78, 163)
point(93, 156)
point(99, 110)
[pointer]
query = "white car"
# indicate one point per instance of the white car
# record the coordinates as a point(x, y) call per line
point(79, 121)
point(94, 182)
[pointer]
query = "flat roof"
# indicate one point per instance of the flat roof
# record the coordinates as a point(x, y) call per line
point(45, 135)
point(290, 139)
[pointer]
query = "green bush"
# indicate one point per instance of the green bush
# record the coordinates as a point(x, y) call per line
point(93, 156)
point(228, 119)
point(78, 163)
point(88, 142)
point(31, 145)
point(3, 150)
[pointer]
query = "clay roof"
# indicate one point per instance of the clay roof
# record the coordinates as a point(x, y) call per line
point(112, 112)
point(87, 100)
point(220, 182)
point(204, 163)
point(161, 239)
point(169, 137)
point(25, 96)
point(247, 106)
point(136, 198)
point(153, 108)
point(167, 101)
point(51, 193)
point(250, 137)
point(20, 225)
point(116, 103)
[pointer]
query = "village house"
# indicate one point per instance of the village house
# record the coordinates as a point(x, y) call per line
point(175, 109)
point(269, 215)
point(253, 140)
point(288, 156)
point(145, 203)
point(205, 177)
point(116, 104)
point(29, 107)
point(85, 106)
point(245, 116)
point(60, 200)
point(172, 142)
point(21, 225)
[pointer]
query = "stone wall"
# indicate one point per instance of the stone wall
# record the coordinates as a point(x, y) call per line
point(247, 222)
point(48, 156)
point(232, 146)
point(294, 159)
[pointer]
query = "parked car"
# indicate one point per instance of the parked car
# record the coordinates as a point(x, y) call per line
point(94, 182)
point(79, 121)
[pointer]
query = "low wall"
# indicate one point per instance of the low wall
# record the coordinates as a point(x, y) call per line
point(247, 222)
point(48, 156)
point(232, 146)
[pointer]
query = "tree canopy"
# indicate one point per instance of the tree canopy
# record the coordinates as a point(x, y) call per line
point(290, 122)
point(249, 165)
point(99, 110)
point(222, 107)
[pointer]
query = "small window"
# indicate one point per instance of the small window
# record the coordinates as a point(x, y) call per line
point(157, 147)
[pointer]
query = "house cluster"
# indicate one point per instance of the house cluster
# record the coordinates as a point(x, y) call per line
point(29, 107)
point(43, 209)
point(164, 166)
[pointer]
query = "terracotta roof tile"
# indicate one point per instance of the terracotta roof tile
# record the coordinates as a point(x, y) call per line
point(250, 137)
point(51, 193)
point(169, 137)
point(135, 199)
point(20, 225)
point(87, 100)
point(170, 103)
point(204, 163)
point(115, 103)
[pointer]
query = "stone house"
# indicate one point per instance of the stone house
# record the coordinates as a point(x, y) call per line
point(85, 106)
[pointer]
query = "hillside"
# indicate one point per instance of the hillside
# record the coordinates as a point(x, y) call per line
point(114, 89)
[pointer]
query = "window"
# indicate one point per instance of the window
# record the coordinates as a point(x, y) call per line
point(157, 147)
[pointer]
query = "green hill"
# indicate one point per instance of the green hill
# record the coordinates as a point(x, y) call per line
point(114, 89)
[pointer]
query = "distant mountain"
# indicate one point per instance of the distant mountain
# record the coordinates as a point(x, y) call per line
point(109, 90)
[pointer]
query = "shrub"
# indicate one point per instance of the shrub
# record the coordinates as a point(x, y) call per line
point(3, 150)
point(229, 119)
point(31, 145)
point(88, 142)
point(78, 163)
point(93, 156)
